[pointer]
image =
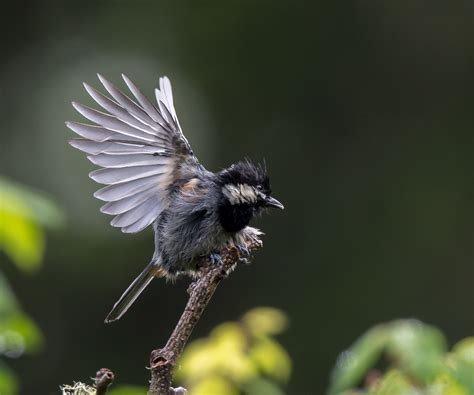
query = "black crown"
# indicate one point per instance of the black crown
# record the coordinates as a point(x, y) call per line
point(246, 172)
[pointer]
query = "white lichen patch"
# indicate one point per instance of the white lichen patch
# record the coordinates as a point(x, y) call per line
point(78, 389)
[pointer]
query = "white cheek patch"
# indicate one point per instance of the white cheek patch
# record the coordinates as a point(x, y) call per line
point(231, 192)
point(240, 193)
point(248, 193)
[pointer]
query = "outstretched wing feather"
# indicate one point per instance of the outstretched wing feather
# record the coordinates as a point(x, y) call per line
point(91, 132)
point(127, 160)
point(128, 104)
point(121, 114)
point(138, 146)
point(149, 108)
point(143, 222)
point(112, 123)
point(125, 204)
point(112, 193)
point(114, 147)
point(119, 175)
point(131, 216)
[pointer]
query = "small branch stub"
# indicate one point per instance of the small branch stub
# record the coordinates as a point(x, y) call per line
point(103, 378)
point(163, 361)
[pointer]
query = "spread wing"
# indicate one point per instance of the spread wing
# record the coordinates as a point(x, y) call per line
point(139, 147)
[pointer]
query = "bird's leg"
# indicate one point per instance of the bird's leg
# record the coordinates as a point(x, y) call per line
point(244, 253)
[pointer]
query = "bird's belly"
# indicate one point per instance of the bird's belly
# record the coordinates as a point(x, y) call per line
point(186, 259)
point(182, 249)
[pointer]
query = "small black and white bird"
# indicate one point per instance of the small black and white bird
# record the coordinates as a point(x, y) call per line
point(152, 177)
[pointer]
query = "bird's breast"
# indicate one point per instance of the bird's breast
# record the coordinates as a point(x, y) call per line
point(235, 217)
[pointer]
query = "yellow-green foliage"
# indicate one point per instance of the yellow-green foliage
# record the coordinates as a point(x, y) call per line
point(238, 357)
point(23, 214)
point(418, 363)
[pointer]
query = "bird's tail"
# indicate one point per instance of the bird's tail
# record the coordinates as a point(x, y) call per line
point(134, 290)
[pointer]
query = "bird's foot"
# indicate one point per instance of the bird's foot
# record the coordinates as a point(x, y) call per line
point(243, 250)
point(215, 258)
point(244, 254)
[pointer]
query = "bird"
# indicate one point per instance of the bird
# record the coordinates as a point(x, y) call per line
point(153, 178)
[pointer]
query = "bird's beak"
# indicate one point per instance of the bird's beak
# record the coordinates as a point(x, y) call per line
point(272, 202)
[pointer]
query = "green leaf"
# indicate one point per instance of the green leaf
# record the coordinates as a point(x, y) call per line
point(223, 352)
point(445, 384)
point(271, 358)
point(18, 333)
point(8, 302)
point(237, 356)
point(22, 213)
point(417, 348)
point(394, 382)
point(262, 386)
point(8, 381)
point(41, 207)
point(462, 363)
point(214, 384)
point(20, 238)
point(127, 390)
point(265, 321)
point(353, 363)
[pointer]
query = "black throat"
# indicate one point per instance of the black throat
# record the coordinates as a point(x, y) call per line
point(235, 217)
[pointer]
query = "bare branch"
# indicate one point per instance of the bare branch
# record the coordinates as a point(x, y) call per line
point(163, 361)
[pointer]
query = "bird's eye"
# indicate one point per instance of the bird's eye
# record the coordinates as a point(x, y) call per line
point(259, 187)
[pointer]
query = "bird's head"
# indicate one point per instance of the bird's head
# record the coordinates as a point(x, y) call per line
point(247, 184)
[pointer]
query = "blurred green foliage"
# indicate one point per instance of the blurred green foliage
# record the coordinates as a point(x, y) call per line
point(128, 390)
point(238, 357)
point(23, 215)
point(418, 363)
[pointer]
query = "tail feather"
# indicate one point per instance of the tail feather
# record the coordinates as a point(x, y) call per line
point(133, 291)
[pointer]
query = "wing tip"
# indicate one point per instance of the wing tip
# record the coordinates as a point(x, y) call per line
point(92, 158)
point(77, 106)
point(109, 319)
point(103, 209)
point(165, 79)
point(126, 79)
point(97, 195)
point(126, 230)
point(87, 87)
point(74, 142)
point(95, 175)
point(129, 229)
point(102, 79)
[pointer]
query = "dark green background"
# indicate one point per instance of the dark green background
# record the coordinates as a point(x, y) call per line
point(364, 114)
